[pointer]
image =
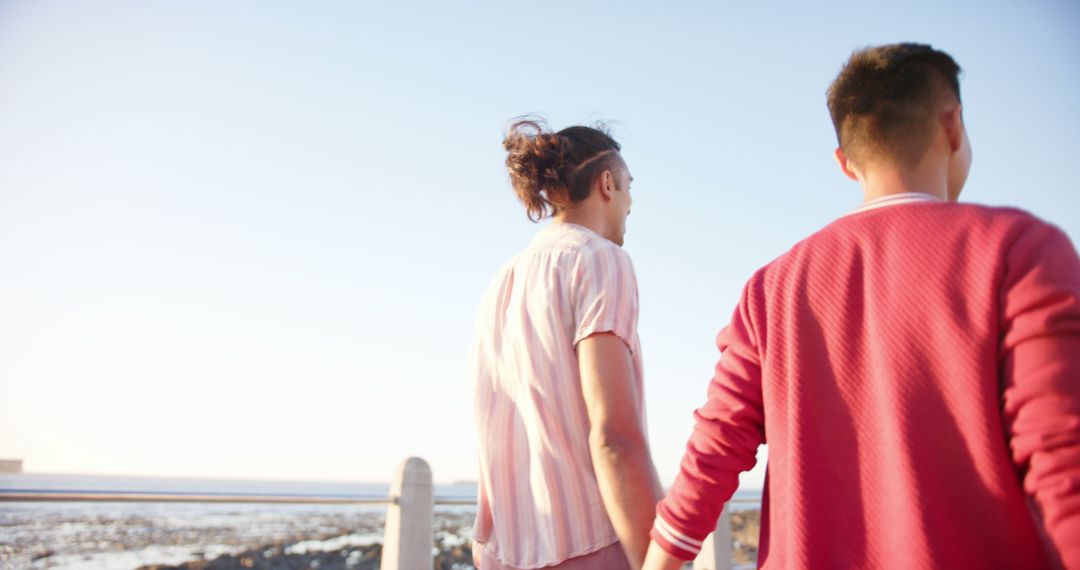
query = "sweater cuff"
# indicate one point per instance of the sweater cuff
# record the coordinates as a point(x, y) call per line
point(673, 541)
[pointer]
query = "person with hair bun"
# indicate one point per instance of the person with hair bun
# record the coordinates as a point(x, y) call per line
point(566, 477)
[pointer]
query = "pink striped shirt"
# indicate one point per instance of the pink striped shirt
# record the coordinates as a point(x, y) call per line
point(539, 503)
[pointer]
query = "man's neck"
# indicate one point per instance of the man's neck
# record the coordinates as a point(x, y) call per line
point(887, 181)
point(582, 217)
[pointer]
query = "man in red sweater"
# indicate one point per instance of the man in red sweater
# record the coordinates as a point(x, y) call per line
point(914, 366)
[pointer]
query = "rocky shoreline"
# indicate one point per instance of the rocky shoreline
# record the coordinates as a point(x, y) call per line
point(278, 557)
point(177, 539)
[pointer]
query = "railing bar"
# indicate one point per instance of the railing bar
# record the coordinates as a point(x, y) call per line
point(94, 492)
point(175, 498)
point(211, 494)
point(157, 497)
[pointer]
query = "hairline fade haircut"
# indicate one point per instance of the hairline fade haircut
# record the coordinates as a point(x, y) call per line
point(886, 98)
point(551, 171)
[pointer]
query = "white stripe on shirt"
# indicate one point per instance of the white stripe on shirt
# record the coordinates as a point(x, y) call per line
point(895, 200)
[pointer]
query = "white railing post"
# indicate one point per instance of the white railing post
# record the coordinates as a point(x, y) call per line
point(410, 523)
point(716, 551)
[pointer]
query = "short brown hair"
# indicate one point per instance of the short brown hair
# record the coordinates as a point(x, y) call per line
point(885, 99)
point(550, 171)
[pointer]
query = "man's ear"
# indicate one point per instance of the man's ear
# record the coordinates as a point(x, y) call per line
point(845, 167)
point(953, 122)
point(606, 184)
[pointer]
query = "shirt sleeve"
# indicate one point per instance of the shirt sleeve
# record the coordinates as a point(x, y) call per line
point(728, 430)
point(605, 296)
point(1040, 350)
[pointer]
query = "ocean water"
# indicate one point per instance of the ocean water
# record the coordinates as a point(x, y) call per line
point(101, 483)
point(745, 498)
point(112, 483)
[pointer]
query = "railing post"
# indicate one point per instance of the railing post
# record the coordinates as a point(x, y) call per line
point(716, 551)
point(410, 524)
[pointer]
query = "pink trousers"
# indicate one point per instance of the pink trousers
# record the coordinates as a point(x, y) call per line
point(607, 558)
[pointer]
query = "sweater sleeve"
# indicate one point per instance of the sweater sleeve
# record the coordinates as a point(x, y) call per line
point(728, 430)
point(1040, 350)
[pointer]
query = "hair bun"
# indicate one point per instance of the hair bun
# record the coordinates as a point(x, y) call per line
point(536, 158)
point(546, 167)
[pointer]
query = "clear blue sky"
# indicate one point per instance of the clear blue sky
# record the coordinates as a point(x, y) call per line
point(249, 238)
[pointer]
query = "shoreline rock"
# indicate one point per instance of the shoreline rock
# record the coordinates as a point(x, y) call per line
point(271, 540)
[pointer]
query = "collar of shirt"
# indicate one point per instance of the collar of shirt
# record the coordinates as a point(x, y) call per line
point(895, 200)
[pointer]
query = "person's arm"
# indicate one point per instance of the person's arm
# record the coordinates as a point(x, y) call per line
point(624, 469)
point(1041, 379)
point(728, 430)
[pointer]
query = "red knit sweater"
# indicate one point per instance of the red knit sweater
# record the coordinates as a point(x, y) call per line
point(915, 371)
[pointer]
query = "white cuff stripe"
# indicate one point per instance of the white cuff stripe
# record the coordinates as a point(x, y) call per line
point(668, 535)
point(678, 543)
point(667, 526)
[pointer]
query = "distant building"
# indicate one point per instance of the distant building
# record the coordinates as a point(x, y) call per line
point(10, 465)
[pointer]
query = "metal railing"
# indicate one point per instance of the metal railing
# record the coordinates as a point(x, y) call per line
point(51, 496)
point(409, 522)
point(35, 496)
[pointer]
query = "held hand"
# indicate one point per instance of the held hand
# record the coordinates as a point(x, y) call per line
point(658, 559)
